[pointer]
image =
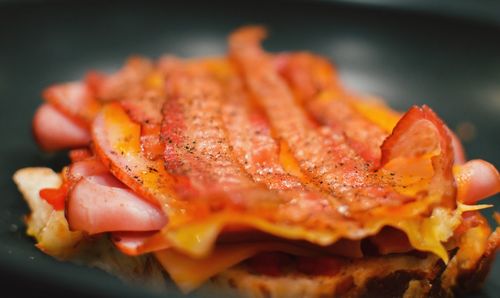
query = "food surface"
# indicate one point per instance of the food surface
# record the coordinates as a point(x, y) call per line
point(260, 173)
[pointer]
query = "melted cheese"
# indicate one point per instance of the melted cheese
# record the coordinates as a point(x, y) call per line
point(377, 112)
point(189, 273)
point(190, 264)
point(289, 163)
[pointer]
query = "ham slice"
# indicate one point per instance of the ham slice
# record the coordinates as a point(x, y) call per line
point(87, 167)
point(53, 130)
point(476, 179)
point(96, 205)
point(75, 100)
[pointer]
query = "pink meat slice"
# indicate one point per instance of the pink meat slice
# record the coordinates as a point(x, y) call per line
point(54, 131)
point(99, 202)
point(95, 205)
point(130, 242)
point(480, 180)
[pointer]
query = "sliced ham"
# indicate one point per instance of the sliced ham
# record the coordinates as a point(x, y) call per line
point(54, 131)
point(210, 169)
point(75, 100)
point(96, 205)
point(87, 167)
point(476, 179)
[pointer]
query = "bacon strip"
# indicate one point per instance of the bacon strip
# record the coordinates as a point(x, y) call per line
point(420, 132)
point(199, 155)
point(324, 156)
point(117, 144)
point(195, 140)
point(126, 83)
point(255, 148)
point(250, 137)
point(315, 83)
point(146, 111)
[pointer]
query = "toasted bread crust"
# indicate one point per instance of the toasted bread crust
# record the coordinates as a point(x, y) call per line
point(403, 275)
point(388, 276)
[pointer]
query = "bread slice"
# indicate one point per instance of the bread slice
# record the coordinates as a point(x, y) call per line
point(396, 275)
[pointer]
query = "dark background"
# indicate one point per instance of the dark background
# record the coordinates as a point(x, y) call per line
point(445, 54)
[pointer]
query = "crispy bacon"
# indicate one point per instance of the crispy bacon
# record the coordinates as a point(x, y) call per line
point(195, 140)
point(315, 84)
point(147, 112)
point(420, 132)
point(198, 153)
point(250, 136)
point(324, 155)
point(128, 82)
point(117, 144)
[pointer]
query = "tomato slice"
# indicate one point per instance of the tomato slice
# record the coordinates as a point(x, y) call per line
point(55, 196)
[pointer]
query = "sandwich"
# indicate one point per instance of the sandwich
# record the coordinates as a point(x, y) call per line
point(257, 174)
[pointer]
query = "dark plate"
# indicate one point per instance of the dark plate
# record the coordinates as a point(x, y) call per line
point(407, 56)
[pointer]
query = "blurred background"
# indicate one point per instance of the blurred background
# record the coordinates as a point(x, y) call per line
point(445, 54)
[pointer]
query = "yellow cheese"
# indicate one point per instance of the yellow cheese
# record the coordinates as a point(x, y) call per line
point(377, 112)
point(189, 273)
